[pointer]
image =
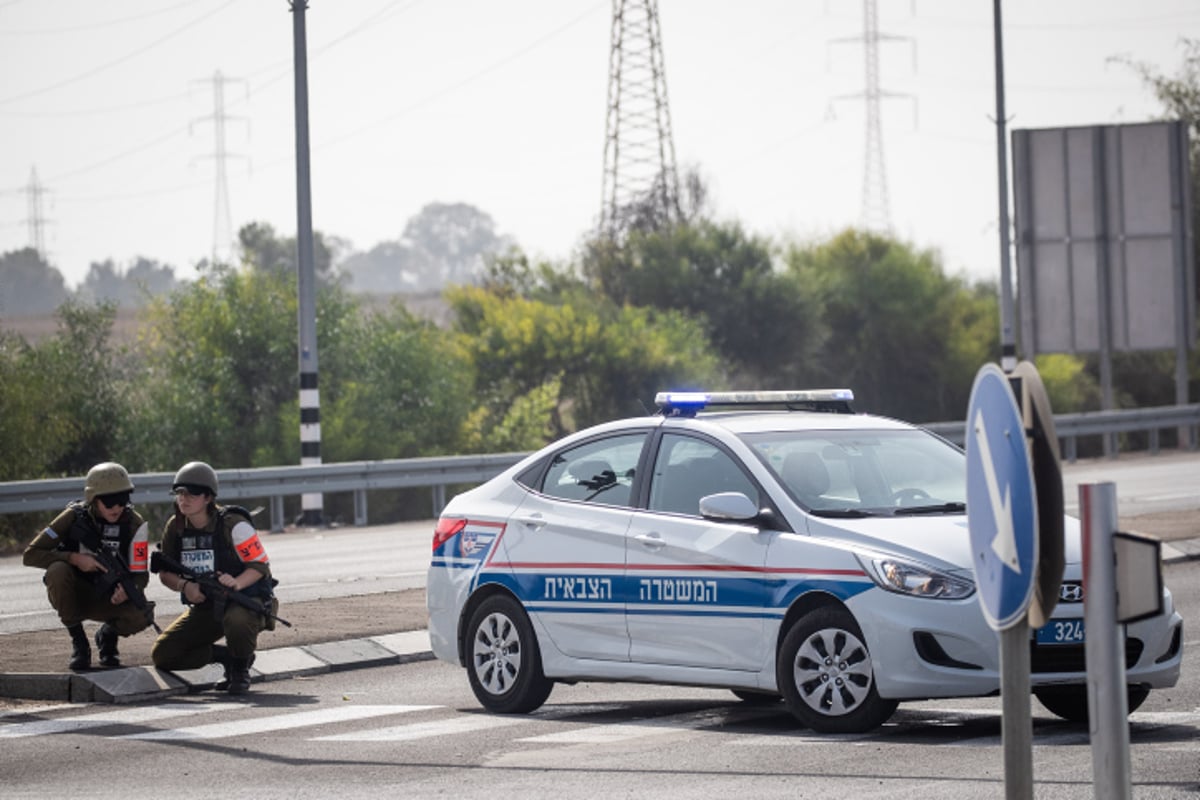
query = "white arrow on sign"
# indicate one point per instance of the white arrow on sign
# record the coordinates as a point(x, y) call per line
point(1004, 544)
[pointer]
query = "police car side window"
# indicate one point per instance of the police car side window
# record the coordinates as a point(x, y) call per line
point(599, 471)
point(687, 469)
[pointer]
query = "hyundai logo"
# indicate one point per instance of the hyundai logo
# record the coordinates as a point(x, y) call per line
point(1071, 593)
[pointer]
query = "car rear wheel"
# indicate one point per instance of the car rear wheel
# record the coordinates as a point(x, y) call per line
point(826, 675)
point(1071, 703)
point(504, 664)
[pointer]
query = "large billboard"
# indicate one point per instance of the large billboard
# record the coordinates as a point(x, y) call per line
point(1103, 233)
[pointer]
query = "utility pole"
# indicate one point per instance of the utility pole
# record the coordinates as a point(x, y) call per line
point(312, 503)
point(639, 151)
point(1008, 340)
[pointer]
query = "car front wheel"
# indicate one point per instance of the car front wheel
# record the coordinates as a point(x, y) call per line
point(504, 665)
point(1071, 702)
point(826, 675)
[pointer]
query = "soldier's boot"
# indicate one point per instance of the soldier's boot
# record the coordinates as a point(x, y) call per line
point(221, 656)
point(81, 651)
point(239, 675)
point(106, 643)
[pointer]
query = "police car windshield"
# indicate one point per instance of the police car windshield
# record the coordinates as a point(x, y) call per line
point(853, 473)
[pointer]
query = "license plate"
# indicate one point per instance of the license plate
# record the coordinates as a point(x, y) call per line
point(1061, 631)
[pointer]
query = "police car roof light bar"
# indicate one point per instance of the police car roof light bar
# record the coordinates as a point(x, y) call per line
point(689, 403)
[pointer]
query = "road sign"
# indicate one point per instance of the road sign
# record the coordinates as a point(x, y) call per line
point(1048, 489)
point(1001, 502)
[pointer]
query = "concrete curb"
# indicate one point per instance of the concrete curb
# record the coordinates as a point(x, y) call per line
point(138, 684)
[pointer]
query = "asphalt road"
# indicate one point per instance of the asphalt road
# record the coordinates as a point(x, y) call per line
point(416, 730)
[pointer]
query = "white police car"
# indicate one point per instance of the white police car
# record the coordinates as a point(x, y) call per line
point(775, 548)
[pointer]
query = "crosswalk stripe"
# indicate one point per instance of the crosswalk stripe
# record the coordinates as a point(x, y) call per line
point(465, 723)
point(600, 734)
point(122, 716)
point(424, 730)
point(242, 727)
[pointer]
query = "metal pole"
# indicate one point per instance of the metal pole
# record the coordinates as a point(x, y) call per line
point(310, 403)
point(1008, 346)
point(1017, 723)
point(1108, 704)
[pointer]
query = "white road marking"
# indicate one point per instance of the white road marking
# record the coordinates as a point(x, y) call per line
point(425, 730)
point(278, 722)
point(121, 716)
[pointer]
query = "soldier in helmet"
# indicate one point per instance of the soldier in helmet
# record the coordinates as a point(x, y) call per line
point(221, 540)
point(67, 550)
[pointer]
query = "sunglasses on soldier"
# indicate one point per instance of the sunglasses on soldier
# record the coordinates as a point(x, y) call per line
point(189, 490)
point(114, 499)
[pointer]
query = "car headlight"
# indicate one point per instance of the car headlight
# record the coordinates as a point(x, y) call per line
point(906, 577)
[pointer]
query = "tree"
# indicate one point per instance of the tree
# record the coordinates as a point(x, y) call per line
point(62, 403)
point(263, 250)
point(145, 278)
point(763, 321)
point(451, 243)
point(406, 389)
point(603, 361)
point(904, 336)
point(29, 285)
point(221, 369)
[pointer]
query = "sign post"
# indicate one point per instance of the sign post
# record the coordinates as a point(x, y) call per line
point(1003, 526)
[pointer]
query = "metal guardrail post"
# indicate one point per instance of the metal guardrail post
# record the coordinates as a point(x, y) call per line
point(439, 499)
point(360, 507)
point(276, 513)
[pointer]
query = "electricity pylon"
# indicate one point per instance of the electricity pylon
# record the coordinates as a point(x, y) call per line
point(641, 184)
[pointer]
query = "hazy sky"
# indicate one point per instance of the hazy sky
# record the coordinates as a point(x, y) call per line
point(501, 104)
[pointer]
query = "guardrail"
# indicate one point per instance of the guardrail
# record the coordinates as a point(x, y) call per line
point(359, 477)
point(1071, 427)
point(437, 473)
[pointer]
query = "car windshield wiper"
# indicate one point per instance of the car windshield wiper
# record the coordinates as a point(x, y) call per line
point(940, 508)
point(842, 513)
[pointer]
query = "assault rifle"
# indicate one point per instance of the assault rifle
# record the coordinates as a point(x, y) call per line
point(116, 572)
point(211, 587)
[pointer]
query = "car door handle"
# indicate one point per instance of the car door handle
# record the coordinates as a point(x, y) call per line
point(535, 521)
point(650, 540)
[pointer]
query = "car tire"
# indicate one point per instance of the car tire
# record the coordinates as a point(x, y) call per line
point(756, 698)
point(1071, 702)
point(504, 665)
point(826, 675)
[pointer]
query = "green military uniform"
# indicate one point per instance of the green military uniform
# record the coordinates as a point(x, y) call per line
point(189, 641)
point(74, 594)
point(121, 541)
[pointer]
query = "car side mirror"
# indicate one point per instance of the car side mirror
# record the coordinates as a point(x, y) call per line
point(729, 506)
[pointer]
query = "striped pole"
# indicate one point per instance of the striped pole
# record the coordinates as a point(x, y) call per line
point(310, 401)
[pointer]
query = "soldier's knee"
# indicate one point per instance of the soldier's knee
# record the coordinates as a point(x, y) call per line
point(60, 573)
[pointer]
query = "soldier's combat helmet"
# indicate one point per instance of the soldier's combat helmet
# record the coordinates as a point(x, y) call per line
point(107, 478)
point(196, 474)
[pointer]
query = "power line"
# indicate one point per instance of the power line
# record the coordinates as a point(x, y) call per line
point(115, 62)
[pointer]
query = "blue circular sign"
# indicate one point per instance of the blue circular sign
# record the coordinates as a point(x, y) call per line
point(1001, 501)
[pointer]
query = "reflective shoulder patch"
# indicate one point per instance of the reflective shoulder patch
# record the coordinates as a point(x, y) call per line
point(50, 532)
point(247, 544)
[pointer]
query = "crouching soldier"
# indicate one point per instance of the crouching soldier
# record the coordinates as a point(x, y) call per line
point(95, 557)
point(220, 546)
